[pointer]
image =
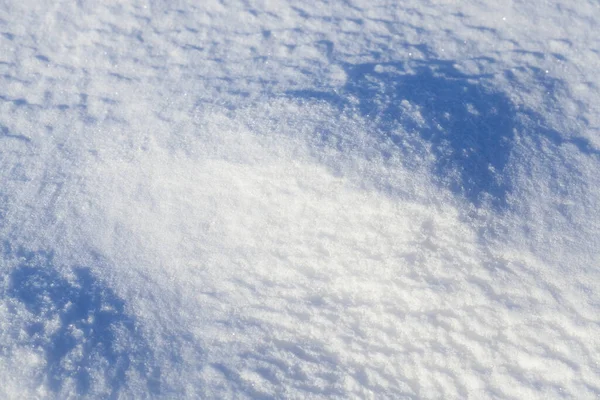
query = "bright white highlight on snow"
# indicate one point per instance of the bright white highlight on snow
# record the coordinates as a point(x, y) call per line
point(299, 200)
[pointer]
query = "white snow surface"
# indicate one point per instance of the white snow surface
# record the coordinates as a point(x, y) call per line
point(304, 199)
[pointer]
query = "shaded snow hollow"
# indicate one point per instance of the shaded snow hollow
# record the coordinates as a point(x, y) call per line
point(360, 199)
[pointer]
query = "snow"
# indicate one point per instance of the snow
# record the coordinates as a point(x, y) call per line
point(252, 199)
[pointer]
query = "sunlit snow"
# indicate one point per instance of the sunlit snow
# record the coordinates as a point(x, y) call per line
point(270, 199)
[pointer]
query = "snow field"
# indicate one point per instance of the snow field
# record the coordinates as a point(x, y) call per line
point(293, 200)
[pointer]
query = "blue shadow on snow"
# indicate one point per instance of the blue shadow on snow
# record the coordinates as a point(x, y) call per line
point(469, 128)
point(94, 337)
point(461, 120)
